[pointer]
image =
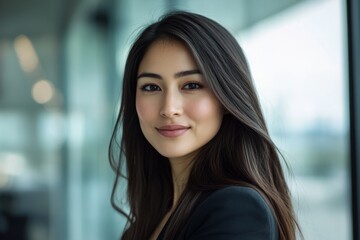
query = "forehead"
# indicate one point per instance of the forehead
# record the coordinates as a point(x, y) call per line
point(167, 54)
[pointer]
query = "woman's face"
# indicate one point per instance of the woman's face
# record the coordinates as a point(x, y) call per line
point(178, 112)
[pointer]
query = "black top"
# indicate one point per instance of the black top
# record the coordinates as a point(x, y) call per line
point(230, 213)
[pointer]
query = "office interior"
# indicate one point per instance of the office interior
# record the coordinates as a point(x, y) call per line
point(61, 66)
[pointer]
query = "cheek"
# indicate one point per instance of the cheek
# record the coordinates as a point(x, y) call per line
point(147, 109)
point(144, 109)
point(206, 109)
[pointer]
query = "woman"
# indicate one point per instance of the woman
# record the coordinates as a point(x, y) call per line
point(199, 160)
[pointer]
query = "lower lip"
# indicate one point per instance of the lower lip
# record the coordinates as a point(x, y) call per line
point(172, 133)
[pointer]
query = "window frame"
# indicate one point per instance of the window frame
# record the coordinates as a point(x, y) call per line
point(353, 27)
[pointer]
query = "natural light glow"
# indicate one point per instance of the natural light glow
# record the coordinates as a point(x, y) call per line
point(11, 164)
point(297, 56)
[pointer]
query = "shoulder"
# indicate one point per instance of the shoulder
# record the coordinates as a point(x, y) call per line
point(231, 213)
point(234, 194)
point(238, 198)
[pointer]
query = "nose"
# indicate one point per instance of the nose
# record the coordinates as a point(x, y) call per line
point(171, 104)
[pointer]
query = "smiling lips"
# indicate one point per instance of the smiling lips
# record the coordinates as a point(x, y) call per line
point(172, 130)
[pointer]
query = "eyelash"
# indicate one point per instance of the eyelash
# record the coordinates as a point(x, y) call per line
point(186, 87)
point(198, 85)
point(146, 86)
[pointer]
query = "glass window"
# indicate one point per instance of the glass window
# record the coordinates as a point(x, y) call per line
point(298, 61)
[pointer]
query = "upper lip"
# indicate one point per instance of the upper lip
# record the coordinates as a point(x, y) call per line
point(172, 127)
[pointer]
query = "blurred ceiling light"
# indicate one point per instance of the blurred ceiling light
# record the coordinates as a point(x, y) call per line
point(42, 91)
point(26, 53)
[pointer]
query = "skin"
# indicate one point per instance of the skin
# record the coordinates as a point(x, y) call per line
point(177, 111)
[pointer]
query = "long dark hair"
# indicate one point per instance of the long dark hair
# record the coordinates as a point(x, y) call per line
point(241, 153)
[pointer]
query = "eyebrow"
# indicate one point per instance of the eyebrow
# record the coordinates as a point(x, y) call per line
point(177, 75)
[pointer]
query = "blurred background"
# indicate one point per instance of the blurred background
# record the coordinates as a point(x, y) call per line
point(61, 63)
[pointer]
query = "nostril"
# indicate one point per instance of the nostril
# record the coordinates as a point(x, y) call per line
point(171, 106)
point(170, 112)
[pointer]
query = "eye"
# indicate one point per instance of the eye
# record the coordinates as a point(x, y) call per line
point(150, 88)
point(192, 86)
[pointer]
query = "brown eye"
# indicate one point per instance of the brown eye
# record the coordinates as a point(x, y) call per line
point(192, 86)
point(150, 88)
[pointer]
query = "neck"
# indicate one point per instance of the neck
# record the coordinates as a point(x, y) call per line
point(180, 173)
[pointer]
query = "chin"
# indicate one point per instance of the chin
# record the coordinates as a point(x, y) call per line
point(171, 155)
point(177, 154)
